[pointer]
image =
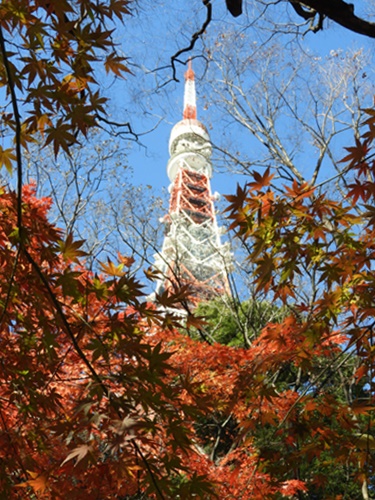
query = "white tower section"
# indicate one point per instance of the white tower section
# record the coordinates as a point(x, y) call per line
point(192, 251)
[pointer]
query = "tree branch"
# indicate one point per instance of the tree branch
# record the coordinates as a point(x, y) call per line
point(17, 119)
point(194, 38)
point(338, 11)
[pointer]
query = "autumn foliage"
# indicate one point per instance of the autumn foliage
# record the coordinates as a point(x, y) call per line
point(314, 255)
point(59, 46)
point(85, 404)
point(104, 395)
point(98, 396)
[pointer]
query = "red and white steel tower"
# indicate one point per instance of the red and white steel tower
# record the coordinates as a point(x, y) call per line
point(192, 251)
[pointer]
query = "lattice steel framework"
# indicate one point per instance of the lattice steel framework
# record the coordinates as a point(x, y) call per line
point(192, 251)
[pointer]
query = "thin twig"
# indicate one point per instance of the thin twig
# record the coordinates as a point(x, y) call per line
point(194, 38)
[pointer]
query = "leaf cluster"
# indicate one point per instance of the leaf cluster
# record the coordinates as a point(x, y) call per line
point(315, 254)
point(89, 403)
point(49, 54)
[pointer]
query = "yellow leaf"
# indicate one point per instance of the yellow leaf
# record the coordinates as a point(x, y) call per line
point(43, 121)
point(365, 442)
point(7, 156)
point(111, 269)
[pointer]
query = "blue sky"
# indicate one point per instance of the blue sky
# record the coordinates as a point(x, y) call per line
point(150, 39)
point(152, 102)
point(153, 99)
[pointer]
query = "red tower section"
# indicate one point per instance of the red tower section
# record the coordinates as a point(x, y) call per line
point(191, 195)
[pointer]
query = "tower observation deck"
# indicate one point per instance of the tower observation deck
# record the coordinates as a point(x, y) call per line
point(192, 251)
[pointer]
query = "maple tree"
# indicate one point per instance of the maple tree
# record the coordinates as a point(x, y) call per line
point(102, 394)
point(303, 234)
point(49, 53)
point(324, 478)
point(86, 410)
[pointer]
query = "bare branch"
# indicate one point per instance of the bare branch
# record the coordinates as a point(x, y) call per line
point(337, 10)
point(194, 38)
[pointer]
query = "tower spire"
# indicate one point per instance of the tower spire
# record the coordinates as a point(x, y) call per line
point(190, 101)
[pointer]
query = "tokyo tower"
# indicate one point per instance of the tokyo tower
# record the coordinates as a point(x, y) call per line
point(192, 252)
